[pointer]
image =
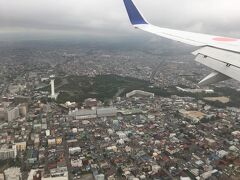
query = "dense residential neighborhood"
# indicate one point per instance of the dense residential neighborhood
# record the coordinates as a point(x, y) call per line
point(157, 124)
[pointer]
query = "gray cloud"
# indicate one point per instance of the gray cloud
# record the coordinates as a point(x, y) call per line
point(107, 18)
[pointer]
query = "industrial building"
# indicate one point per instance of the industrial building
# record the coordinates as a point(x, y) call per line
point(193, 116)
point(13, 173)
point(139, 93)
point(81, 114)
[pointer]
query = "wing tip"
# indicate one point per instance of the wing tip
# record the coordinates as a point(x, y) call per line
point(134, 14)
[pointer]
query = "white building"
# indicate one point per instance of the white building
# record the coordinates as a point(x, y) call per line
point(106, 112)
point(13, 114)
point(222, 153)
point(100, 177)
point(122, 135)
point(13, 173)
point(76, 163)
point(51, 141)
point(23, 110)
point(74, 150)
point(47, 132)
point(236, 133)
point(139, 93)
point(21, 146)
point(59, 172)
point(7, 153)
point(1, 176)
point(84, 114)
point(195, 90)
point(81, 114)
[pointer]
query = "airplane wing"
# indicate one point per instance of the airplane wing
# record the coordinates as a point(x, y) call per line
point(222, 54)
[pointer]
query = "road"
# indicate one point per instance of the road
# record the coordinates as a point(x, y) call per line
point(156, 69)
point(66, 153)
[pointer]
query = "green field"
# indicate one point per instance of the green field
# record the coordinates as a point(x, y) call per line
point(105, 87)
point(102, 87)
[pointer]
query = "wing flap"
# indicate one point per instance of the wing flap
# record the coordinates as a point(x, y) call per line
point(228, 57)
point(219, 66)
point(212, 78)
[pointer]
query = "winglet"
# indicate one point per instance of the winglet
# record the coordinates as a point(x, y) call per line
point(134, 15)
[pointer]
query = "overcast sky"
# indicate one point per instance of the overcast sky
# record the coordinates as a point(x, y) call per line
point(107, 19)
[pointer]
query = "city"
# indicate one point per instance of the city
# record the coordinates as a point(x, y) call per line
point(119, 90)
point(155, 124)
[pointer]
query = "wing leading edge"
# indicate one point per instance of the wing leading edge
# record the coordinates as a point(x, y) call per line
point(227, 46)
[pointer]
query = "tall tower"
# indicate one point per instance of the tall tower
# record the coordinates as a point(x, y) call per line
point(52, 78)
point(53, 95)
